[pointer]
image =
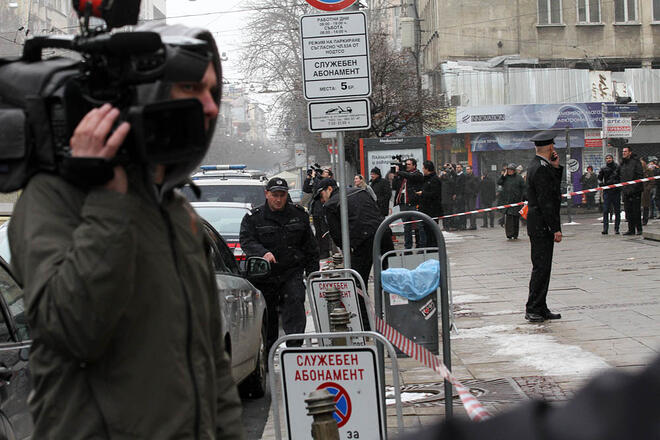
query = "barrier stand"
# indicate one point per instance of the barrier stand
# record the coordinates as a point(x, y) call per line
point(307, 339)
point(330, 275)
point(443, 286)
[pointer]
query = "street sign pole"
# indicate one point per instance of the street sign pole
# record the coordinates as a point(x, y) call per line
point(343, 201)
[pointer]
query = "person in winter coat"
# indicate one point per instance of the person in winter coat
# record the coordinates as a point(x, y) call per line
point(487, 194)
point(359, 182)
point(383, 191)
point(363, 221)
point(406, 183)
point(120, 292)
point(609, 175)
point(320, 227)
point(460, 182)
point(447, 177)
point(471, 192)
point(631, 169)
point(646, 193)
point(589, 180)
point(430, 201)
point(513, 190)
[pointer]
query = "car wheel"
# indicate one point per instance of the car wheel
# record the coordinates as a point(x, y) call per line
point(254, 386)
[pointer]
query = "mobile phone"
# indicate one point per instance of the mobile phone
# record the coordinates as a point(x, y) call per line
point(554, 156)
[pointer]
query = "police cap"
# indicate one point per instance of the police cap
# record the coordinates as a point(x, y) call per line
point(542, 138)
point(277, 184)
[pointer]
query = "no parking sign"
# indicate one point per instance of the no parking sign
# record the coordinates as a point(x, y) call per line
point(348, 373)
point(331, 5)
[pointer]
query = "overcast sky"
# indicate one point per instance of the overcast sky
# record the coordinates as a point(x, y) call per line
point(218, 16)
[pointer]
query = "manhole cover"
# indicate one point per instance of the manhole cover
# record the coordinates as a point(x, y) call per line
point(433, 394)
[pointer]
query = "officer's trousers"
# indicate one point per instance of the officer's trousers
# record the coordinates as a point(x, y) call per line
point(285, 300)
point(542, 248)
point(511, 225)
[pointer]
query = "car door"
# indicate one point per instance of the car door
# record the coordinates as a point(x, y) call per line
point(14, 349)
point(243, 297)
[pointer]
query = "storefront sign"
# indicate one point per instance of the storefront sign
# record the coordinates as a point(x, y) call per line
point(501, 118)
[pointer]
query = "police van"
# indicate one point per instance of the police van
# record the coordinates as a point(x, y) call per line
point(228, 183)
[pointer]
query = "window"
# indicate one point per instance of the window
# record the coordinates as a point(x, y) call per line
point(656, 10)
point(625, 11)
point(549, 11)
point(588, 11)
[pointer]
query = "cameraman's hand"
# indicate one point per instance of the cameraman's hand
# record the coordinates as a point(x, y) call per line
point(90, 139)
point(268, 256)
point(396, 168)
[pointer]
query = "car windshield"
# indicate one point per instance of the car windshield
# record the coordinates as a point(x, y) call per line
point(253, 194)
point(227, 221)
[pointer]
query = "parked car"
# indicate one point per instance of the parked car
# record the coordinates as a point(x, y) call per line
point(226, 218)
point(227, 186)
point(244, 312)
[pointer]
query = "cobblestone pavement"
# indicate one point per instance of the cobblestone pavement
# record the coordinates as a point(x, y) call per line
point(605, 287)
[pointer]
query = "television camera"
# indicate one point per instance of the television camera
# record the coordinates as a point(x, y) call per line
point(43, 100)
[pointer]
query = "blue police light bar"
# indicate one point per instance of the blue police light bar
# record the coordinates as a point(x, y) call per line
point(223, 167)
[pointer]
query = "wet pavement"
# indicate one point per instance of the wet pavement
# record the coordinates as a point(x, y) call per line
point(605, 286)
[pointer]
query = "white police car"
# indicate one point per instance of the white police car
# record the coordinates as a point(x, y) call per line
point(228, 183)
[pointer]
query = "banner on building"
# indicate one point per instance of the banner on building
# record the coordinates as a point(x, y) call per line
point(520, 140)
point(601, 86)
point(593, 139)
point(501, 118)
point(617, 128)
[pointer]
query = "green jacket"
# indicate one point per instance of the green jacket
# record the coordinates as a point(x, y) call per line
point(124, 314)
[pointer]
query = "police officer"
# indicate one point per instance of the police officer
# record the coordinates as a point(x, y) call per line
point(543, 224)
point(279, 231)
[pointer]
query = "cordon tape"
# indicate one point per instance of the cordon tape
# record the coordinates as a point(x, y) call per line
point(511, 205)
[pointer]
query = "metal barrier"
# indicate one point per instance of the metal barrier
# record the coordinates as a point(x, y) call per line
point(307, 340)
point(443, 286)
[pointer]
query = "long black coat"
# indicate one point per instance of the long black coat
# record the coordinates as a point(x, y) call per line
point(363, 216)
point(513, 191)
point(487, 191)
point(430, 202)
point(383, 192)
point(631, 169)
point(544, 197)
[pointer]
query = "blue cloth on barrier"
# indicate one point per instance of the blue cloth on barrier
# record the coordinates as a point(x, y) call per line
point(412, 284)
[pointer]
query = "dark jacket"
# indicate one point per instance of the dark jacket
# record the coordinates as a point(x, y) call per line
point(609, 175)
point(383, 192)
point(448, 183)
point(412, 182)
point(544, 197)
point(487, 191)
point(631, 169)
point(471, 186)
point(430, 202)
point(589, 181)
point(124, 312)
point(460, 181)
point(287, 234)
point(513, 191)
point(363, 216)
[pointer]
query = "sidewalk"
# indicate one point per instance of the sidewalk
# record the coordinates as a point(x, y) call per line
point(605, 287)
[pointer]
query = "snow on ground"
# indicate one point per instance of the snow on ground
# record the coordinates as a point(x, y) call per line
point(539, 351)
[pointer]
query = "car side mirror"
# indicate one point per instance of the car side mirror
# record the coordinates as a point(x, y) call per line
point(257, 267)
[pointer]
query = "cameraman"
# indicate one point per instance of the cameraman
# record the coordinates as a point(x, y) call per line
point(406, 184)
point(120, 292)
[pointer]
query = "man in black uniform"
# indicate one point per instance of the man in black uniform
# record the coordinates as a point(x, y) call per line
point(631, 169)
point(543, 223)
point(609, 175)
point(383, 191)
point(430, 201)
point(280, 232)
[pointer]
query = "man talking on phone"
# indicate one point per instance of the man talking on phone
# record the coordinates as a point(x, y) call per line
point(543, 223)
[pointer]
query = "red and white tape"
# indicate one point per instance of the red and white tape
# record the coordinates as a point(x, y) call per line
point(473, 407)
point(511, 205)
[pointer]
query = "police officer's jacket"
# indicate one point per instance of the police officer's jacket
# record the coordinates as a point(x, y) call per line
point(544, 197)
point(286, 234)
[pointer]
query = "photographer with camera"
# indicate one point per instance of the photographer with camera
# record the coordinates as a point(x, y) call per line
point(120, 293)
point(406, 184)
